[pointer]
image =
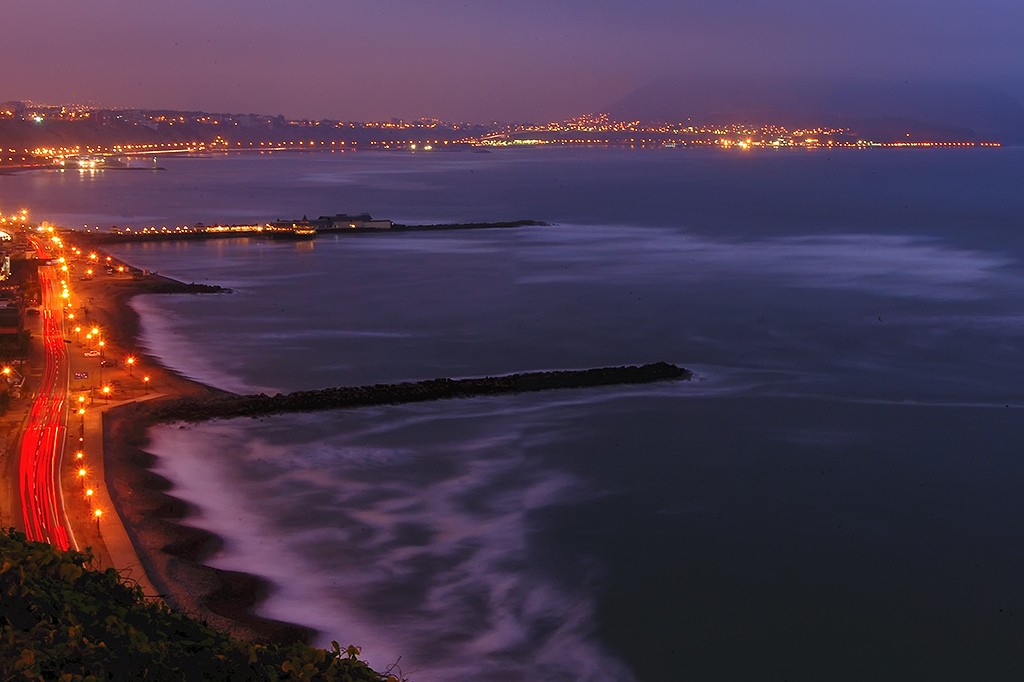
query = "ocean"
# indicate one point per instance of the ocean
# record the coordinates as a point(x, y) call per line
point(835, 495)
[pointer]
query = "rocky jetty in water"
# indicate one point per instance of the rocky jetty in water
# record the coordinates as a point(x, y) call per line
point(193, 408)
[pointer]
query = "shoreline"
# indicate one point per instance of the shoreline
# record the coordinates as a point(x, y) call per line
point(171, 552)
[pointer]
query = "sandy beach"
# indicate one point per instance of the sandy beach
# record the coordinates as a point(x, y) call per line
point(170, 552)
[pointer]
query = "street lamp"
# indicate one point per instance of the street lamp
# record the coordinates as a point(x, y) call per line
point(106, 392)
point(81, 476)
point(131, 363)
point(96, 515)
point(145, 381)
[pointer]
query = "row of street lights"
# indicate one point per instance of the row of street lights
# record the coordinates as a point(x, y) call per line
point(65, 295)
point(83, 472)
point(93, 334)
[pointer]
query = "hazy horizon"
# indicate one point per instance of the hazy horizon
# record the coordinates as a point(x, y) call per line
point(482, 61)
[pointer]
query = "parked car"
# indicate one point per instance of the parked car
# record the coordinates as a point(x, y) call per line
point(92, 353)
point(108, 363)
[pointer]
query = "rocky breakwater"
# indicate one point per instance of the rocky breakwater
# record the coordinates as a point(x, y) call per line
point(226, 406)
point(174, 553)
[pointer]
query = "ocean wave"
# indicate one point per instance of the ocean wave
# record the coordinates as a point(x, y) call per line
point(896, 265)
point(421, 553)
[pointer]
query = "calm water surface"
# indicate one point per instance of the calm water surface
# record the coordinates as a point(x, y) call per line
point(835, 496)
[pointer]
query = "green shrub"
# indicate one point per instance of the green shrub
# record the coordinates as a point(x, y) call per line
point(60, 620)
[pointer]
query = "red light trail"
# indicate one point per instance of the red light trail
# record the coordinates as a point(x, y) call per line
point(42, 444)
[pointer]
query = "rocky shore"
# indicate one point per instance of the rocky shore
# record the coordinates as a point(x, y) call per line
point(191, 408)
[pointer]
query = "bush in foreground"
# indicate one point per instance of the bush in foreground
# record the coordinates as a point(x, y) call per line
point(62, 621)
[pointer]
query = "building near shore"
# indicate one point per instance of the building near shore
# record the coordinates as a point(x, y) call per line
point(343, 221)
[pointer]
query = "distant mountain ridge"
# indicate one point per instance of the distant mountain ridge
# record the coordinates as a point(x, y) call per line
point(874, 108)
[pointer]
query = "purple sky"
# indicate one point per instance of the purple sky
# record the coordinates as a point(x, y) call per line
point(477, 60)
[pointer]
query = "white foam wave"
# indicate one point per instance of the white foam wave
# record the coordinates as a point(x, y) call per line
point(897, 265)
point(162, 337)
point(419, 553)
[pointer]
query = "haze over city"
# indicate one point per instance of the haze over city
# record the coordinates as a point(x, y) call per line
point(483, 60)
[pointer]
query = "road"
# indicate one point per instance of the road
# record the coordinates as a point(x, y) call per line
point(42, 444)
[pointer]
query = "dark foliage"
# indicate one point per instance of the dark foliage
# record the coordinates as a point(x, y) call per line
point(60, 620)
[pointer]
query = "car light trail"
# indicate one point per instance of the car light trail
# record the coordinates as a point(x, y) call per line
point(42, 445)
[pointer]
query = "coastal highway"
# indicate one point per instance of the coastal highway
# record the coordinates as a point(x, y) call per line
point(42, 444)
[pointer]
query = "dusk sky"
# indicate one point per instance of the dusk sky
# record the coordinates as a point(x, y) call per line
point(475, 60)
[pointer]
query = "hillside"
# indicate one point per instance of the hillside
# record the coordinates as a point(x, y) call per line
point(61, 620)
point(875, 109)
